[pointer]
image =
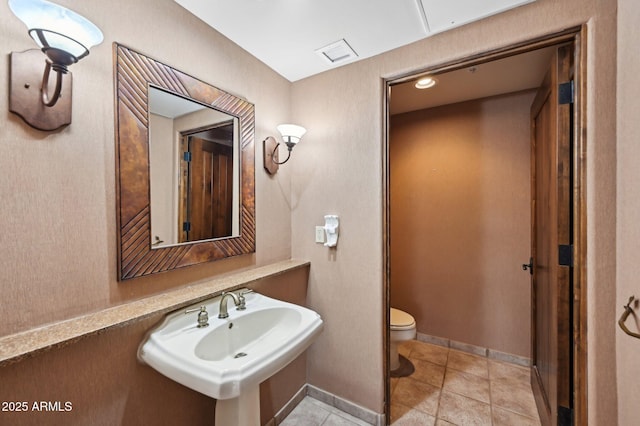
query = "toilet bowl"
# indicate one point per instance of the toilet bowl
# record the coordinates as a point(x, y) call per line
point(402, 328)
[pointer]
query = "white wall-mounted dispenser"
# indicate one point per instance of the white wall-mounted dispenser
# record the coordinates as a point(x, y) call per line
point(331, 229)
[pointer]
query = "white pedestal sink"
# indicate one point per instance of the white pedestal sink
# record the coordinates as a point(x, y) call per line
point(231, 357)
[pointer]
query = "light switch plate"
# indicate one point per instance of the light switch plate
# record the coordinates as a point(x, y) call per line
point(319, 234)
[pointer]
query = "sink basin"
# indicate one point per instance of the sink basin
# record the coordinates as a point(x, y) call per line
point(231, 356)
point(255, 333)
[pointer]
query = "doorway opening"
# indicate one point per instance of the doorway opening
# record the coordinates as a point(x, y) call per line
point(571, 323)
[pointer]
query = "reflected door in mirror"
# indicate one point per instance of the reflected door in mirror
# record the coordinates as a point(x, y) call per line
point(208, 194)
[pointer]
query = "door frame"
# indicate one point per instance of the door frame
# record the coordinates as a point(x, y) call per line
point(577, 35)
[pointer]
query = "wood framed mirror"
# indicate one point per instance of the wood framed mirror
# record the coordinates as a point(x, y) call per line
point(141, 251)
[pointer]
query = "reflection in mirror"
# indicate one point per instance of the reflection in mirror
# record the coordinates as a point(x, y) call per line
point(194, 171)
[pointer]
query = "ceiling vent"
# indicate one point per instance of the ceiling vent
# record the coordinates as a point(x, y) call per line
point(340, 51)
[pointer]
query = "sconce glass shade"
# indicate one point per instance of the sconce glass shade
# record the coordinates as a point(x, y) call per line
point(63, 35)
point(291, 133)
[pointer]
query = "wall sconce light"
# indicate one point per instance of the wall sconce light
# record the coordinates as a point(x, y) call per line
point(291, 135)
point(64, 37)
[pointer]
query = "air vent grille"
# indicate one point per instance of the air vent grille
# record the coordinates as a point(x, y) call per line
point(340, 51)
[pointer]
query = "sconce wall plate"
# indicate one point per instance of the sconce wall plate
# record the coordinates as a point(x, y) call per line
point(25, 95)
point(270, 155)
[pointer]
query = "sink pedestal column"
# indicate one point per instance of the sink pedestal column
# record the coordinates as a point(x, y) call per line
point(241, 411)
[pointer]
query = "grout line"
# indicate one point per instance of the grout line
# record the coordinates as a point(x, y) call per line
point(490, 394)
point(446, 364)
point(518, 413)
point(440, 396)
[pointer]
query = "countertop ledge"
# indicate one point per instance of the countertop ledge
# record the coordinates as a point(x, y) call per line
point(15, 347)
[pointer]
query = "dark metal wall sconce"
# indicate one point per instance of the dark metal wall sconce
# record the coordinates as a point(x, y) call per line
point(64, 37)
point(291, 135)
point(628, 310)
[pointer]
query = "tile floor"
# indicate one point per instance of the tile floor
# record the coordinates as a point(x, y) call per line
point(448, 387)
point(311, 412)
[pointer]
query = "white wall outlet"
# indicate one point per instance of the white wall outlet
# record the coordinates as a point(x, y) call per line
point(319, 234)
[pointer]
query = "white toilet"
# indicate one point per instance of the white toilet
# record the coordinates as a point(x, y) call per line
point(403, 328)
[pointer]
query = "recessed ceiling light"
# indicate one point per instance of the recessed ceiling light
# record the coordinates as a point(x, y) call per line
point(426, 82)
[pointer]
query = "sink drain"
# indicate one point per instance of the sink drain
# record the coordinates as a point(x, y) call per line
point(240, 355)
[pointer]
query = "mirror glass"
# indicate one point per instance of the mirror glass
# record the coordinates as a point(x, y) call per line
point(185, 168)
point(194, 171)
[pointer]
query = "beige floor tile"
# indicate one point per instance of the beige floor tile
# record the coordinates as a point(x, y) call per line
point(473, 390)
point(460, 410)
point(343, 419)
point(513, 396)
point(428, 352)
point(507, 418)
point(405, 348)
point(465, 384)
point(393, 384)
point(504, 370)
point(468, 363)
point(428, 372)
point(406, 416)
point(414, 394)
point(407, 344)
point(307, 412)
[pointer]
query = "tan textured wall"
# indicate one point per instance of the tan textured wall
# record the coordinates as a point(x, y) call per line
point(460, 220)
point(57, 215)
point(338, 169)
point(628, 268)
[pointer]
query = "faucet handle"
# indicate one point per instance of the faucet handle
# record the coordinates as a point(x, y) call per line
point(202, 308)
point(203, 315)
point(243, 302)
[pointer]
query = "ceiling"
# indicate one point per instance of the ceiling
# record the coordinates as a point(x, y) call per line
point(507, 75)
point(289, 35)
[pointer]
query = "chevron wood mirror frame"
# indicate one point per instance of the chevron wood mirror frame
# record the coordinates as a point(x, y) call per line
point(134, 73)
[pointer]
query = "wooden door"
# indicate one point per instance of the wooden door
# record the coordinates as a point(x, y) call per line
point(210, 190)
point(551, 208)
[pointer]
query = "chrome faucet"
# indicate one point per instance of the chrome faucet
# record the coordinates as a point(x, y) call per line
point(223, 304)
